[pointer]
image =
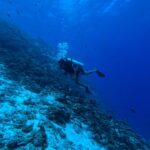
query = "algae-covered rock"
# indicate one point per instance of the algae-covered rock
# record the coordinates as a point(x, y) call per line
point(60, 115)
point(40, 138)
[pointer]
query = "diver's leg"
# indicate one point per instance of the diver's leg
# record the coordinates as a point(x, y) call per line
point(93, 71)
point(88, 72)
point(86, 87)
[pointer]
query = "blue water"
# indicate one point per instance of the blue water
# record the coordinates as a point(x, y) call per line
point(112, 35)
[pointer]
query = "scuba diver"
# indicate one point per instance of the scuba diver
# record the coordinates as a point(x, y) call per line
point(75, 68)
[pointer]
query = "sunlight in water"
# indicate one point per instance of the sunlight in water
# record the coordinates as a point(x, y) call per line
point(68, 6)
point(112, 3)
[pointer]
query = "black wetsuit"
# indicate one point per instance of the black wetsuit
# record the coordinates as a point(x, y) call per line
point(74, 69)
point(70, 68)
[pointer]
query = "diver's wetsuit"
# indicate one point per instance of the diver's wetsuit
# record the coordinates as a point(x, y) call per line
point(74, 69)
point(67, 66)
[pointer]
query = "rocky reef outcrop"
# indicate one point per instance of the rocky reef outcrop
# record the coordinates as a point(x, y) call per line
point(42, 109)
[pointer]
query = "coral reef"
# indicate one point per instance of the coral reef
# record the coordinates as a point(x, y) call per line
point(42, 109)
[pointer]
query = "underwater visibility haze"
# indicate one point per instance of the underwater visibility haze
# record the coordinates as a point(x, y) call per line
point(110, 35)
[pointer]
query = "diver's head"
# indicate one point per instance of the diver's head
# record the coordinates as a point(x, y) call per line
point(61, 62)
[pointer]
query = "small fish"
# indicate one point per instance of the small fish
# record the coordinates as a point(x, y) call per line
point(18, 12)
point(133, 110)
point(9, 15)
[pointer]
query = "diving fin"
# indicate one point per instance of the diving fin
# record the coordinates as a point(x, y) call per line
point(100, 73)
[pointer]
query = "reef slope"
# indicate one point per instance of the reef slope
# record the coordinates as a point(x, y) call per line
point(42, 109)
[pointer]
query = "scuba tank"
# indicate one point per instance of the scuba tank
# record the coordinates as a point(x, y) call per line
point(75, 62)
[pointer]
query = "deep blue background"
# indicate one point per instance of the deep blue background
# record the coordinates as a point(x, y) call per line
point(113, 36)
